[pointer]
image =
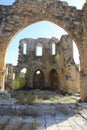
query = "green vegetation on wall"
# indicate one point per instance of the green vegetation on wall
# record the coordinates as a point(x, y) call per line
point(19, 82)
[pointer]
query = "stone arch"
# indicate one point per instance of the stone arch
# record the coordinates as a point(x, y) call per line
point(51, 12)
point(23, 71)
point(22, 77)
point(18, 69)
point(38, 79)
point(22, 14)
point(53, 80)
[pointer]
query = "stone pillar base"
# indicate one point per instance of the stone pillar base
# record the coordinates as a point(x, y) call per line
point(84, 90)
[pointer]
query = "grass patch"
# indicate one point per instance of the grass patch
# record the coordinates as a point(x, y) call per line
point(23, 98)
point(32, 97)
point(67, 99)
point(54, 98)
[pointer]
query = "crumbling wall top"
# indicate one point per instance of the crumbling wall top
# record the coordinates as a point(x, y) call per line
point(39, 1)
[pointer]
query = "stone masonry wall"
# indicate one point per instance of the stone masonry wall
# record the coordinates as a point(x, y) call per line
point(62, 62)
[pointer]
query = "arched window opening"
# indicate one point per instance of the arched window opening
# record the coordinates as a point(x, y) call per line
point(38, 72)
point(39, 50)
point(22, 78)
point(23, 72)
point(53, 49)
point(20, 81)
point(38, 80)
point(53, 80)
point(24, 48)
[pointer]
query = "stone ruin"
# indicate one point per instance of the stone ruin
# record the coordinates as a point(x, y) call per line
point(49, 64)
point(24, 13)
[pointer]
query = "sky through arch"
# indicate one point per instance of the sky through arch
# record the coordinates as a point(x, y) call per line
point(42, 29)
point(39, 29)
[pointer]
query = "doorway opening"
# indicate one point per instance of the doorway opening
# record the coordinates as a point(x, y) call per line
point(38, 80)
point(53, 80)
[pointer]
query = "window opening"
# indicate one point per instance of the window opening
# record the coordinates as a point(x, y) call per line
point(39, 50)
point(38, 72)
point(53, 49)
point(25, 48)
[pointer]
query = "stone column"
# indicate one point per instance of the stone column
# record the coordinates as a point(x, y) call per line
point(3, 46)
point(30, 80)
point(17, 73)
point(83, 74)
point(1, 79)
point(83, 56)
point(46, 75)
point(2, 70)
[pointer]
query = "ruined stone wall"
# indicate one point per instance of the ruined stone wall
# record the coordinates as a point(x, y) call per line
point(32, 62)
point(71, 71)
point(62, 62)
point(9, 76)
point(9, 72)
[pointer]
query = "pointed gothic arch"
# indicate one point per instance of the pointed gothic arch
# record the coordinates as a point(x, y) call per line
point(53, 80)
point(38, 79)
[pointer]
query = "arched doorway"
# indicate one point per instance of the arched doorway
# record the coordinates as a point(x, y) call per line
point(38, 80)
point(53, 80)
point(22, 78)
point(20, 81)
